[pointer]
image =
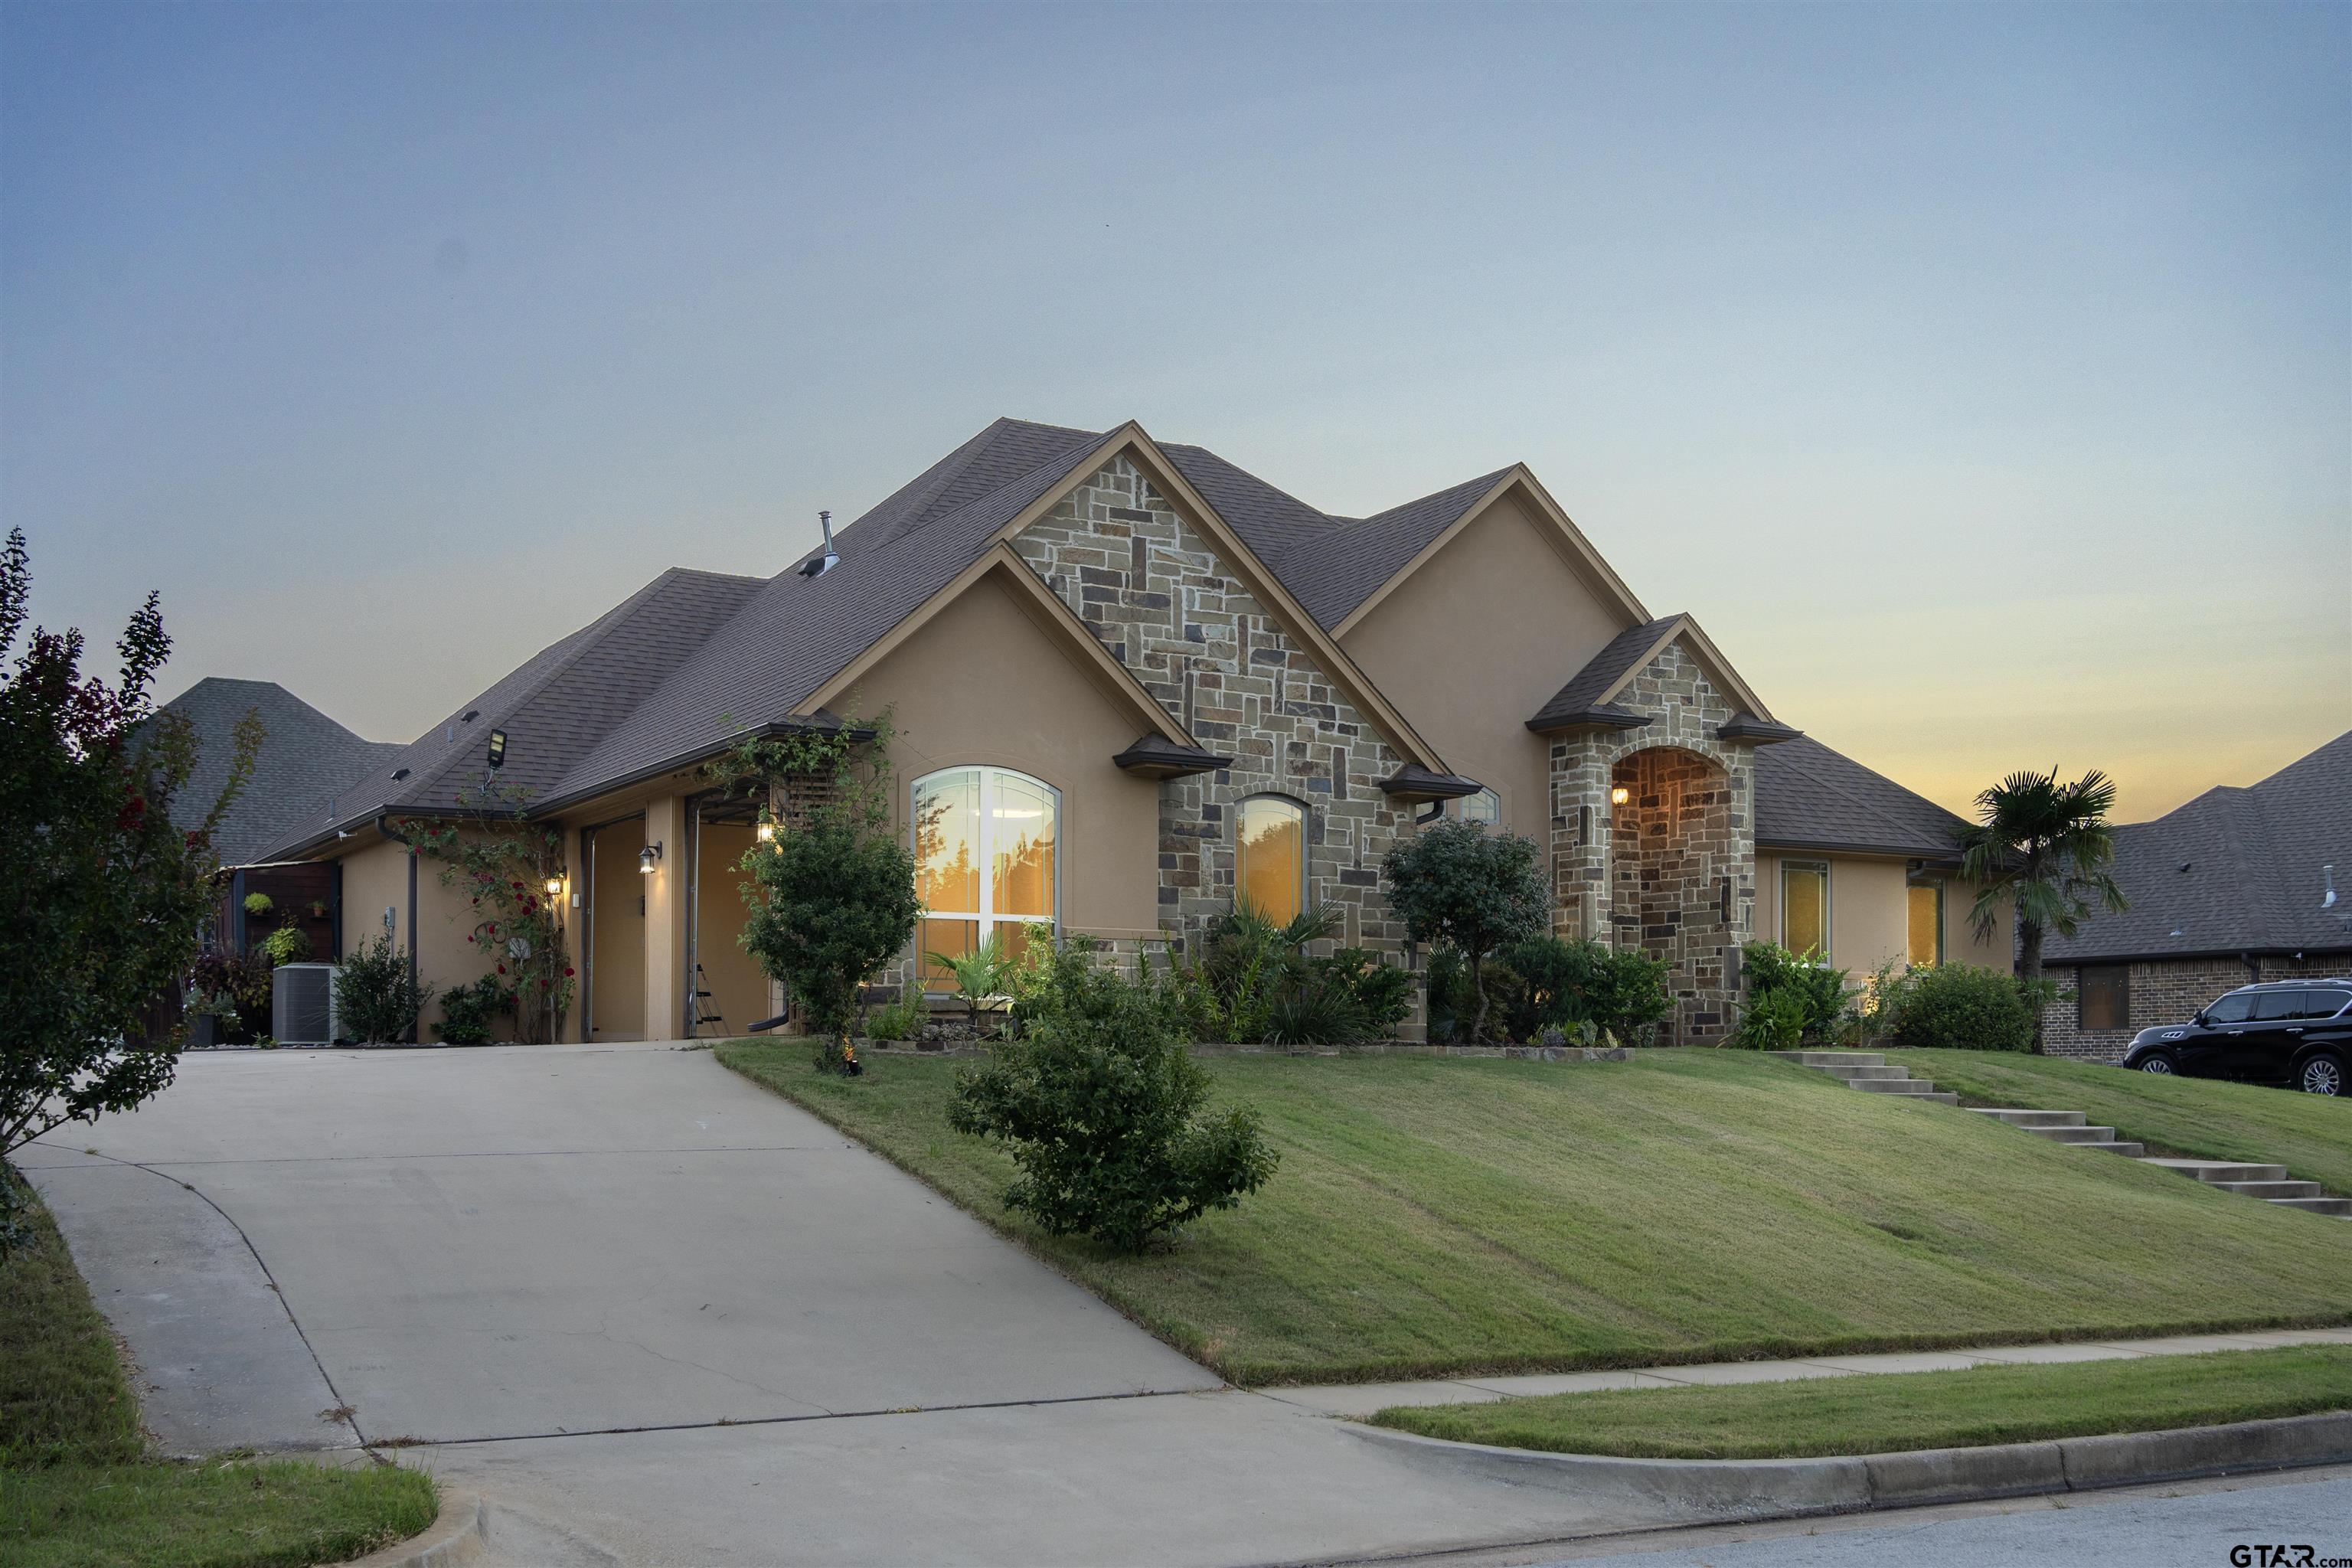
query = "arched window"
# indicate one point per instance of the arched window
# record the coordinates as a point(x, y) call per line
point(1485, 808)
point(1270, 856)
point(985, 862)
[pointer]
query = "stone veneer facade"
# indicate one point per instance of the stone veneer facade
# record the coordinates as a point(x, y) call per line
point(1160, 599)
point(1674, 869)
point(2164, 991)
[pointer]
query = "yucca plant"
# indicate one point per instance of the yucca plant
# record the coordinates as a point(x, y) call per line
point(980, 974)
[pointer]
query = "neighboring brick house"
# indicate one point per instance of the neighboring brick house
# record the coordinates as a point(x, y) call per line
point(2238, 885)
point(1129, 681)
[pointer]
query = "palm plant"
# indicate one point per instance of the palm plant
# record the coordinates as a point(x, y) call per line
point(2046, 846)
point(1247, 958)
point(980, 974)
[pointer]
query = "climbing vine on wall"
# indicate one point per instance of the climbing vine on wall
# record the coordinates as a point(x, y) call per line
point(502, 861)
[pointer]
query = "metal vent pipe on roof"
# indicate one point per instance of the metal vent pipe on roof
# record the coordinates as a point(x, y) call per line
point(830, 558)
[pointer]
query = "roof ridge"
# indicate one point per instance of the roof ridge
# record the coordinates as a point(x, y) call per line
point(1481, 482)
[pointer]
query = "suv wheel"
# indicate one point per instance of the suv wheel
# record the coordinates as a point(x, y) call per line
point(2323, 1074)
point(2156, 1062)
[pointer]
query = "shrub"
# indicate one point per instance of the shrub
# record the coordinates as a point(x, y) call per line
point(834, 903)
point(287, 945)
point(1446, 982)
point(1319, 1010)
point(1381, 992)
point(375, 997)
point(1458, 884)
point(469, 1011)
point(1959, 1006)
point(898, 1020)
point(233, 988)
point(1567, 984)
point(1100, 1106)
point(980, 974)
point(1245, 960)
point(1821, 993)
point(1771, 1021)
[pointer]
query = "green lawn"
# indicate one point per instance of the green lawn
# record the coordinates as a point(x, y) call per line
point(1437, 1215)
point(77, 1491)
point(1892, 1413)
point(2309, 1134)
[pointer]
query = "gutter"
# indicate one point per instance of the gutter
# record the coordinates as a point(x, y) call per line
point(383, 818)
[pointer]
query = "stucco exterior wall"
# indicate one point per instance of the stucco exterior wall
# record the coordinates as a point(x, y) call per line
point(983, 684)
point(1870, 915)
point(1477, 640)
point(616, 971)
point(737, 986)
point(1144, 580)
point(375, 877)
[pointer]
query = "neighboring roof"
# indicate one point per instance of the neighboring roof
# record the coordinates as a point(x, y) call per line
point(1811, 797)
point(304, 755)
point(2234, 870)
point(553, 707)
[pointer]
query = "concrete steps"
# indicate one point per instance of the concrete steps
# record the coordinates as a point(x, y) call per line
point(1870, 1072)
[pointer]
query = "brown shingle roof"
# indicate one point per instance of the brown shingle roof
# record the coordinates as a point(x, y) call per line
point(304, 757)
point(1811, 797)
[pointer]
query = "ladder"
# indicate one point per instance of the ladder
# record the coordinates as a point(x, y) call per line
point(705, 1010)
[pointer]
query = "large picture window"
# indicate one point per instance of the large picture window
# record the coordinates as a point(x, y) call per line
point(985, 862)
point(1805, 906)
point(1270, 851)
point(1925, 949)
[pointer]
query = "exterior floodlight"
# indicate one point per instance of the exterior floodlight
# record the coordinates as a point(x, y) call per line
point(498, 748)
point(649, 857)
point(1620, 795)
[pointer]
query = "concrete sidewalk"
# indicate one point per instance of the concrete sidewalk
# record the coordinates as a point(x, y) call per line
point(1358, 1399)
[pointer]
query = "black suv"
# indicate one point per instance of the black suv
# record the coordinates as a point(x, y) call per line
point(2295, 1032)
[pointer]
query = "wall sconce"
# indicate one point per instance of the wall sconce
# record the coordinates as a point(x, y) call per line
point(554, 887)
point(767, 832)
point(1620, 795)
point(649, 857)
point(498, 748)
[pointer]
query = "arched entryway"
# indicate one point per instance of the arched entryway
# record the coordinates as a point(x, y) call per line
point(1673, 882)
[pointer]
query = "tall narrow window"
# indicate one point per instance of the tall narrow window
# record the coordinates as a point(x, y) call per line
point(1805, 906)
point(1270, 844)
point(1926, 948)
point(985, 862)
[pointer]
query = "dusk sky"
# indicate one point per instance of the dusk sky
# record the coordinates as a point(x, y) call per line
point(1980, 377)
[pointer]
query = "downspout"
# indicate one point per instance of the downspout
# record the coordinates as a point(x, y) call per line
point(410, 935)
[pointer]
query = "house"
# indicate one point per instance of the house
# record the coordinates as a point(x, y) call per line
point(302, 754)
point(1130, 679)
point(2238, 885)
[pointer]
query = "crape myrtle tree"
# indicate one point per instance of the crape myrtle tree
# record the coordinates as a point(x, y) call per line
point(105, 899)
point(2048, 846)
point(1473, 889)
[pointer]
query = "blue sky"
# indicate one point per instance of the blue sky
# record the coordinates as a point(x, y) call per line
point(1980, 377)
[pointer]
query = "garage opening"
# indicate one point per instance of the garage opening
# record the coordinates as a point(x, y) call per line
point(727, 990)
point(612, 1002)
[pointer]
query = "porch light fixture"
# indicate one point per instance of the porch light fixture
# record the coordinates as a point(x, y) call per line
point(554, 887)
point(498, 748)
point(1620, 795)
point(649, 857)
point(767, 832)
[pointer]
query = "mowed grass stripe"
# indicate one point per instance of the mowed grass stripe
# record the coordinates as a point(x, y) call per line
point(1886, 1413)
point(1438, 1216)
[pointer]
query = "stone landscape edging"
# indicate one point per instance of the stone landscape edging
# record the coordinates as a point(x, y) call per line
point(1729, 1490)
point(456, 1537)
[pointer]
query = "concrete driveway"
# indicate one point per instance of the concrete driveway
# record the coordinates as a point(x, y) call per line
point(658, 1315)
point(517, 1243)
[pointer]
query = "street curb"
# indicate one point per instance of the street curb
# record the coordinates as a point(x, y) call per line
point(456, 1537)
point(1727, 1490)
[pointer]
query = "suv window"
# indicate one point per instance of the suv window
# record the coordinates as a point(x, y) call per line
point(2325, 1004)
point(2270, 1005)
point(2231, 1009)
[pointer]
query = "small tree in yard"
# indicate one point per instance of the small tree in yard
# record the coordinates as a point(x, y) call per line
point(1100, 1103)
point(832, 900)
point(2047, 846)
point(1473, 889)
point(104, 898)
